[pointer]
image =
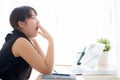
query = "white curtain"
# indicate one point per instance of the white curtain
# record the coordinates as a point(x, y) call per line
point(116, 25)
point(73, 24)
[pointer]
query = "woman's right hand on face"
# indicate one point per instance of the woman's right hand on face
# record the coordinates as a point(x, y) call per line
point(43, 32)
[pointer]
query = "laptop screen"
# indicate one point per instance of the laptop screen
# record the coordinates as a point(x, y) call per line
point(92, 55)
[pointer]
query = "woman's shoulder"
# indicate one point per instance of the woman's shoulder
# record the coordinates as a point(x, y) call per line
point(22, 40)
point(20, 45)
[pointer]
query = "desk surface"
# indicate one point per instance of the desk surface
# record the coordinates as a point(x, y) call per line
point(92, 77)
point(77, 78)
point(36, 76)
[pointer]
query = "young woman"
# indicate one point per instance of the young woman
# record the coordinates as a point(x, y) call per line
point(21, 52)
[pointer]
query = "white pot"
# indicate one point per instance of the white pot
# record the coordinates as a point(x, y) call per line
point(103, 60)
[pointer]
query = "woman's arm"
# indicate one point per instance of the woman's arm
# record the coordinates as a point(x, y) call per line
point(35, 57)
point(38, 48)
point(49, 59)
point(49, 51)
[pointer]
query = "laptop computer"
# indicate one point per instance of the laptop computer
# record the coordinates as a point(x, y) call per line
point(88, 59)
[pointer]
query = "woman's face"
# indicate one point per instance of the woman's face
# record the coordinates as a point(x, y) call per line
point(31, 26)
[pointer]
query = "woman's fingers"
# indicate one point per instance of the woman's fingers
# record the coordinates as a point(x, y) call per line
point(43, 32)
point(42, 29)
point(39, 32)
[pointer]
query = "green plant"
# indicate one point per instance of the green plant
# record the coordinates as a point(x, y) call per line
point(106, 42)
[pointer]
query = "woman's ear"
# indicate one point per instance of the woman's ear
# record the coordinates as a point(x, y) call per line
point(21, 24)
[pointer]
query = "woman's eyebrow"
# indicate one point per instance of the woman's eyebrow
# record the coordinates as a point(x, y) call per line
point(33, 15)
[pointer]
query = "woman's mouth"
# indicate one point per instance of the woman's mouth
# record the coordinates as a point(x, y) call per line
point(37, 28)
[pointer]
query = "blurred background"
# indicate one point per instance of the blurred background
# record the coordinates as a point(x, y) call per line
point(73, 24)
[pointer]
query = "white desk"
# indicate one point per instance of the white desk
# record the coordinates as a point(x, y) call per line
point(100, 77)
point(103, 76)
point(36, 76)
point(92, 77)
point(77, 78)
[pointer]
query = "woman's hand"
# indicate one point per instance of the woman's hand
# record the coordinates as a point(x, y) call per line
point(43, 32)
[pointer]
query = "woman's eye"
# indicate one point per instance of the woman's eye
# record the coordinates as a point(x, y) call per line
point(33, 18)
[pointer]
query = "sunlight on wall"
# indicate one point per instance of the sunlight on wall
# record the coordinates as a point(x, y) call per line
point(80, 24)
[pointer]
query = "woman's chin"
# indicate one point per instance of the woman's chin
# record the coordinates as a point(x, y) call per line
point(35, 35)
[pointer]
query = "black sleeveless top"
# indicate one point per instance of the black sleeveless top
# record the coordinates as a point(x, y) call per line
point(13, 68)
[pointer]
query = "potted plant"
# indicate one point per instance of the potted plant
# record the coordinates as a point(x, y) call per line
point(106, 42)
point(104, 56)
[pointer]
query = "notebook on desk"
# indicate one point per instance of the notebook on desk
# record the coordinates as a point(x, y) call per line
point(59, 73)
point(58, 76)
